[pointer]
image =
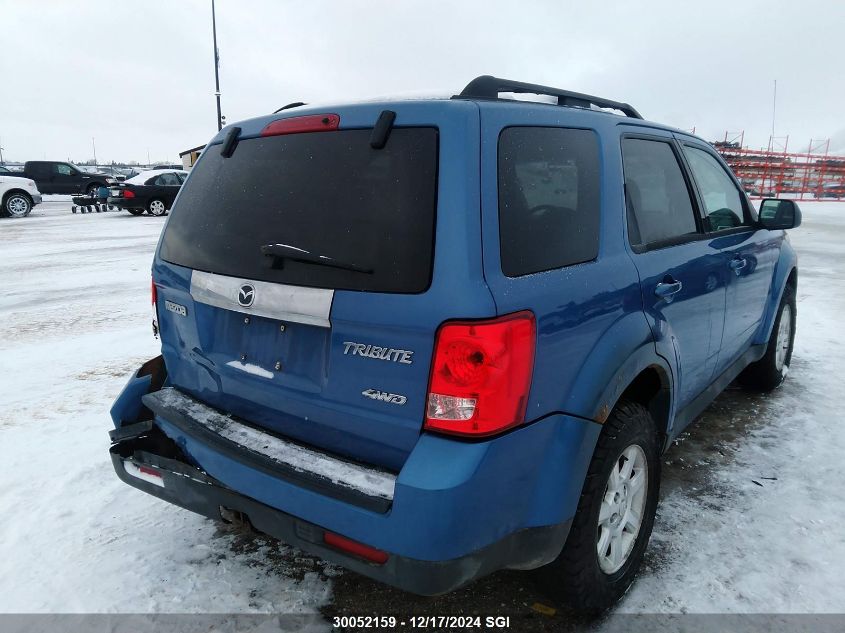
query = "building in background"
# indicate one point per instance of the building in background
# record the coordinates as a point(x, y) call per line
point(190, 156)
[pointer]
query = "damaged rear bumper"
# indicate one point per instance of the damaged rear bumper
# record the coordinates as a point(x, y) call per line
point(456, 512)
point(142, 462)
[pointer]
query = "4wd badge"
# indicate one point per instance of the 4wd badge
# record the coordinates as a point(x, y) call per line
point(392, 398)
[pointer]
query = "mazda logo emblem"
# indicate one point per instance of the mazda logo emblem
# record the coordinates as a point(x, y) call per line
point(246, 295)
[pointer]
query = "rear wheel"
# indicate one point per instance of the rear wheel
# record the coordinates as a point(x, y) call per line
point(769, 372)
point(92, 189)
point(17, 205)
point(612, 526)
point(136, 211)
point(156, 207)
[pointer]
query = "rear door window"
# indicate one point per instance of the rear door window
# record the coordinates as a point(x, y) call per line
point(548, 198)
point(168, 180)
point(321, 209)
point(659, 206)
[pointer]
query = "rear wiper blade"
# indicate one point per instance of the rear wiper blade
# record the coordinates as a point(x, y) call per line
point(295, 254)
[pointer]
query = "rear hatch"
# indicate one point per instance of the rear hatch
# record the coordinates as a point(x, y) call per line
point(306, 264)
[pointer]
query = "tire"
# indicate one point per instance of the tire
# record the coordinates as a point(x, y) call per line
point(156, 207)
point(17, 205)
point(91, 190)
point(770, 371)
point(581, 577)
point(136, 211)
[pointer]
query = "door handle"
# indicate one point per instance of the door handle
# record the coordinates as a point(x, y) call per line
point(737, 264)
point(667, 289)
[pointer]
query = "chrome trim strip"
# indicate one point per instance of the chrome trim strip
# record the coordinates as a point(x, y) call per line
point(275, 301)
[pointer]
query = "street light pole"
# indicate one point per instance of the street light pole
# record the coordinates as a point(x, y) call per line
point(94, 145)
point(216, 67)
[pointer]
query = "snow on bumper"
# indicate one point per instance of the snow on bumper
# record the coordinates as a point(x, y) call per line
point(368, 487)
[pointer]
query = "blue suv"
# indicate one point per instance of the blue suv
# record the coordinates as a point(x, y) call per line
point(427, 340)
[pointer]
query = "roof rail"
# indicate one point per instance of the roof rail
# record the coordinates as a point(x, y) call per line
point(488, 87)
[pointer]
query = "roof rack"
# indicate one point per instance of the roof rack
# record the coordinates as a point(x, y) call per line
point(488, 87)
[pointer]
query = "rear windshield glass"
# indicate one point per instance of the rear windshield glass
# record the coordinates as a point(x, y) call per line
point(548, 198)
point(282, 207)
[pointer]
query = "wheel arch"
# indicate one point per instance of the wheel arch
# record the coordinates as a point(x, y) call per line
point(11, 192)
point(155, 198)
point(652, 388)
point(785, 275)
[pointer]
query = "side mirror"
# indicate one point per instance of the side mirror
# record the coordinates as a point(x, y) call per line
point(779, 214)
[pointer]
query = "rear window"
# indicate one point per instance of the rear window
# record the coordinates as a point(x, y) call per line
point(548, 198)
point(324, 196)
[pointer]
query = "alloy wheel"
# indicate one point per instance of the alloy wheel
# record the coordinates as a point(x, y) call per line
point(622, 507)
point(157, 207)
point(784, 336)
point(17, 206)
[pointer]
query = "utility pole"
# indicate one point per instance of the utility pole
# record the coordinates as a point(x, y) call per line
point(94, 145)
point(216, 67)
point(774, 105)
point(1, 151)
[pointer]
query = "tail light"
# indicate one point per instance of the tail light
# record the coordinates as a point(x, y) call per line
point(128, 193)
point(154, 296)
point(297, 124)
point(481, 375)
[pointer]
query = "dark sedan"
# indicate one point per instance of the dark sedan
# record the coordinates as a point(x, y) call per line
point(150, 191)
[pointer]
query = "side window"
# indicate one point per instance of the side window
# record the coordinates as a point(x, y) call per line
point(658, 201)
point(63, 170)
point(548, 198)
point(168, 180)
point(41, 170)
point(723, 202)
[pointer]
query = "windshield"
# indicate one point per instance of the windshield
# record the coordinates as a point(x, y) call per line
point(361, 218)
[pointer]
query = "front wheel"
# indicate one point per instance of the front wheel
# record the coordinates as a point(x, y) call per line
point(770, 371)
point(17, 205)
point(615, 516)
point(156, 207)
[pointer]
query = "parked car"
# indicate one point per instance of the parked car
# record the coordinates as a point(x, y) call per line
point(60, 177)
point(431, 350)
point(115, 173)
point(131, 172)
point(833, 190)
point(17, 195)
point(751, 188)
point(151, 191)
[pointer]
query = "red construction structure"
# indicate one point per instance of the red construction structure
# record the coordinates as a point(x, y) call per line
point(776, 172)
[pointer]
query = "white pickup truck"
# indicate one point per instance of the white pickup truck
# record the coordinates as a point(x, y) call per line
point(18, 195)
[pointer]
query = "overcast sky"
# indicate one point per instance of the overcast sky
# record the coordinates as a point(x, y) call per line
point(139, 76)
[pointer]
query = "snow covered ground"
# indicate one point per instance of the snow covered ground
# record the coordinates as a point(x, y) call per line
point(751, 519)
